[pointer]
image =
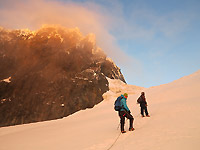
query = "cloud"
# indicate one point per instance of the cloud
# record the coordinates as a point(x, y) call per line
point(32, 14)
point(88, 17)
point(145, 22)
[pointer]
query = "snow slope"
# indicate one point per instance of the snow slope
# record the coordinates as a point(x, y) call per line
point(174, 123)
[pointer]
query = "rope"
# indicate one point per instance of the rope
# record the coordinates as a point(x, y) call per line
point(118, 126)
point(114, 142)
point(117, 136)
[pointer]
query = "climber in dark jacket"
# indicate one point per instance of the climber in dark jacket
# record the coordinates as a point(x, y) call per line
point(143, 104)
point(125, 112)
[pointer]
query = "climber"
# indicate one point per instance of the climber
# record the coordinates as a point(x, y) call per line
point(143, 104)
point(124, 112)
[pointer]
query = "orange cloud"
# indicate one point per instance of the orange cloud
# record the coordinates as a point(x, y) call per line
point(88, 17)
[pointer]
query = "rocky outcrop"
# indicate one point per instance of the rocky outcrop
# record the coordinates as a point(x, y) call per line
point(51, 73)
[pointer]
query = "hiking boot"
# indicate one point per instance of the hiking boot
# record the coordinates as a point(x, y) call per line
point(142, 116)
point(131, 129)
point(123, 131)
point(148, 116)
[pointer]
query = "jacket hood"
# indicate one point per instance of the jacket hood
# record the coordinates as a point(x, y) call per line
point(123, 96)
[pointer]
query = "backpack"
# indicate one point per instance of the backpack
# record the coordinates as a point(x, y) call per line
point(139, 100)
point(117, 104)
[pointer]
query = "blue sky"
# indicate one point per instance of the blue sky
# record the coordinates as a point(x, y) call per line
point(163, 36)
point(153, 41)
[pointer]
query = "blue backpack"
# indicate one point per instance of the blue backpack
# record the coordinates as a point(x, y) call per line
point(117, 104)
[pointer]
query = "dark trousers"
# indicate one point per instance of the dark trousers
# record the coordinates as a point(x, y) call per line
point(124, 115)
point(144, 108)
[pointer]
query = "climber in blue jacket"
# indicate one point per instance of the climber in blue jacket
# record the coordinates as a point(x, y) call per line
point(125, 112)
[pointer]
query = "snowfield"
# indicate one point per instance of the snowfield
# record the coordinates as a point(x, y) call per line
point(174, 123)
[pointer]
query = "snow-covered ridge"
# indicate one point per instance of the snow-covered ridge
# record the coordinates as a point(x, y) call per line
point(117, 87)
point(191, 76)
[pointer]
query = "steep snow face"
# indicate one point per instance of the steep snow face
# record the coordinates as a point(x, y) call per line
point(174, 123)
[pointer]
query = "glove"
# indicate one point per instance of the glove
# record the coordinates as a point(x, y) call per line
point(129, 112)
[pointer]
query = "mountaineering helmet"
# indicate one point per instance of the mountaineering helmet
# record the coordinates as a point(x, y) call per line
point(125, 95)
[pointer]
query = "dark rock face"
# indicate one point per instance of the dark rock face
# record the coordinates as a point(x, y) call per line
point(54, 72)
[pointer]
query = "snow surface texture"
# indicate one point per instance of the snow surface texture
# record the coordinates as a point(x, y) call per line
point(174, 123)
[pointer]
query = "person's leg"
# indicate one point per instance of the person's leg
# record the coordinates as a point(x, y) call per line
point(131, 123)
point(130, 117)
point(146, 111)
point(142, 111)
point(122, 120)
